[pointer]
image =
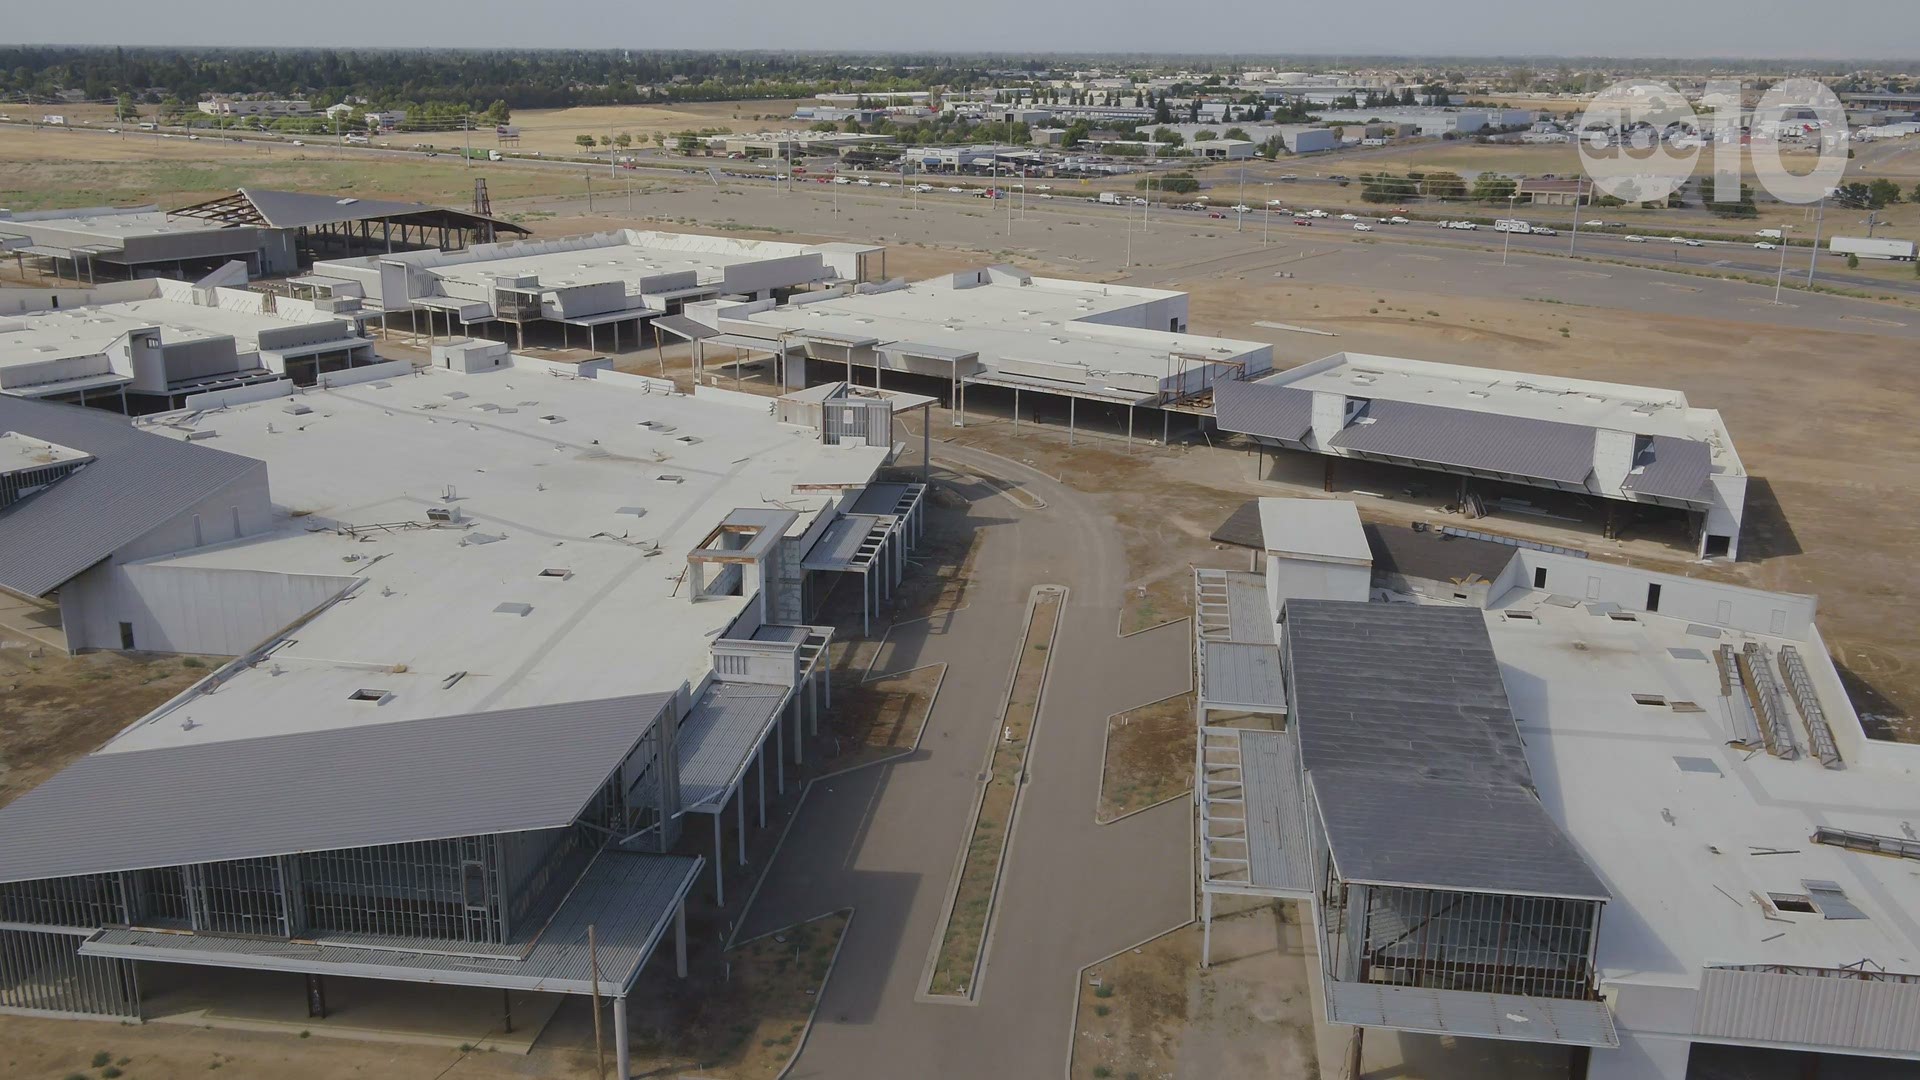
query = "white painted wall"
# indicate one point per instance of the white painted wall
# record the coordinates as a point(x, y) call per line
point(1729, 506)
point(1788, 615)
point(196, 609)
point(1315, 579)
point(1612, 458)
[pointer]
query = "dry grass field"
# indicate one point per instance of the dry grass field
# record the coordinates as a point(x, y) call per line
point(552, 131)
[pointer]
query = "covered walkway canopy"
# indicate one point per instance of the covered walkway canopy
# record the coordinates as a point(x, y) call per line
point(368, 225)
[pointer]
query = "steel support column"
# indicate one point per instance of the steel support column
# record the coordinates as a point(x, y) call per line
point(719, 886)
point(622, 1056)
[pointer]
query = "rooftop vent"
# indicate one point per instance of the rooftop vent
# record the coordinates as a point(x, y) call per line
point(296, 409)
point(632, 511)
point(689, 440)
point(513, 609)
point(377, 697)
point(671, 478)
point(551, 418)
point(455, 395)
point(559, 574)
point(199, 436)
point(443, 513)
point(1650, 699)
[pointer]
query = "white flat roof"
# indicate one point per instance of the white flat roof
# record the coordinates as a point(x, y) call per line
point(1641, 409)
point(553, 469)
point(1685, 829)
point(1327, 529)
point(111, 229)
point(624, 255)
point(1044, 320)
point(84, 331)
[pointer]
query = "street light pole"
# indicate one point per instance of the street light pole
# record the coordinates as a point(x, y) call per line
point(1574, 243)
point(1781, 276)
point(1508, 242)
point(1813, 257)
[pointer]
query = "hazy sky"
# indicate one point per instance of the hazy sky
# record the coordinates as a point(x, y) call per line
point(1866, 29)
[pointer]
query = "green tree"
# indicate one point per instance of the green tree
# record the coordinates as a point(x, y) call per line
point(623, 140)
point(687, 142)
point(1176, 183)
point(125, 109)
point(1444, 185)
point(1853, 261)
point(1169, 137)
point(1205, 136)
point(1491, 188)
point(1882, 192)
point(1161, 113)
point(1237, 133)
point(584, 142)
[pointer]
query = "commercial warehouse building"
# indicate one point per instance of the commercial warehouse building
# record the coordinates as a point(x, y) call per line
point(1501, 431)
point(1001, 327)
point(141, 346)
point(107, 243)
point(1639, 818)
point(586, 284)
point(452, 607)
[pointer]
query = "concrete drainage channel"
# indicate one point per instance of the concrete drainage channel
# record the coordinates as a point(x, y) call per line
point(958, 957)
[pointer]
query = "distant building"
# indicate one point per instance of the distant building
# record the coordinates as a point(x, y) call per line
point(237, 106)
point(1555, 192)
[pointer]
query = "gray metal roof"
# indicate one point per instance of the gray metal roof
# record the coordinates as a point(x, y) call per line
point(466, 775)
point(1480, 441)
point(684, 327)
point(1434, 555)
point(1471, 1013)
point(1249, 617)
point(1838, 1010)
point(930, 352)
point(1242, 673)
point(839, 546)
point(628, 898)
point(1278, 853)
point(1242, 527)
point(292, 209)
point(1672, 468)
point(719, 735)
point(1412, 749)
point(1263, 409)
point(1387, 829)
point(881, 499)
point(137, 482)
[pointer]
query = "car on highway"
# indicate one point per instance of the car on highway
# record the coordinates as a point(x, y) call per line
point(1361, 226)
point(956, 189)
point(864, 182)
point(1242, 208)
point(1594, 224)
point(1764, 246)
point(1303, 221)
point(1044, 195)
point(883, 183)
point(1349, 217)
point(1274, 202)
point(1044, 187)
point(1215, 214)
point(1398, 221)
point(841, 180)
point(1538, 231)
point(1317, 213)
point(296, 142)
point(1631, 239)
point(1684, 240)
point(923, 187)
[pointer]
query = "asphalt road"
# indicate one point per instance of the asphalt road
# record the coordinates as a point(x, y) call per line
point(884, 839)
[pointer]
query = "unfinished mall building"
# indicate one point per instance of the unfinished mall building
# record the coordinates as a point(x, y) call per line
point(498, 639)
point(1506, 440)
point(1523, 794)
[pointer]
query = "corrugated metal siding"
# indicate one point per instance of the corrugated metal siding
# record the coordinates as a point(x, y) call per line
point(1471, 1013)
point(1240, 673)
point(531, 768)
point(1810, 1010)
point(717, 739)
point(1278, 851)
point(1263, 409)
point(1483, 442)
point(1405, 726)
point(137, 482)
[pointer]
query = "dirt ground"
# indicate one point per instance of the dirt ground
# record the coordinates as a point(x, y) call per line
point(747, 1025)
point(1153, 1013)
point(55, 708)
point(1149, 756)
point(973, 895)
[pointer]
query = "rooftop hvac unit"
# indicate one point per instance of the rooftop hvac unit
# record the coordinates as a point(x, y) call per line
point(443, 513)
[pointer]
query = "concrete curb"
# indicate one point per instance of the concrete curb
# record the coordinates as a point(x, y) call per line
point(806, 1029)
point(1106, 737)
point(1080, 975)
point(972, 996)
point(773, 856)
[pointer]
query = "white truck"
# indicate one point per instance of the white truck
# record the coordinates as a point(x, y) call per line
point(1512, 225)
point(1109, 198)
point(1872, 249)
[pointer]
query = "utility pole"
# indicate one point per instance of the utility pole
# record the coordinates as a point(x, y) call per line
point(1813, 257)
point(1575, 241)
point(589, 192)
point(1240, 216)
point(1507, 244)
point(466, 124)
point(1781, 276)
